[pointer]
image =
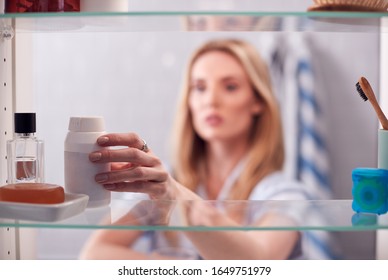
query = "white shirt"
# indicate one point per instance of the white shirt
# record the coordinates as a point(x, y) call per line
point(274, 186)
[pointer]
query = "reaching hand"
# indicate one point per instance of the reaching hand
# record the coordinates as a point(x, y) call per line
point(134, 168)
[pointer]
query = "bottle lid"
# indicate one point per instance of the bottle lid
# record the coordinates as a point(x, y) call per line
point(86, 124)
point(25, 122)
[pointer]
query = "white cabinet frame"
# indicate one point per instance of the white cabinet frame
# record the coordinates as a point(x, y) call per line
point(382, 235)
point(11, 96)
point(8, 235)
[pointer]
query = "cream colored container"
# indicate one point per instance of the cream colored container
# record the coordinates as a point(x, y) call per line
point(80, 172)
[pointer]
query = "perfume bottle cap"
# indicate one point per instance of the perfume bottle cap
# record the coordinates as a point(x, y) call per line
point(86, 124)
point(25, 122)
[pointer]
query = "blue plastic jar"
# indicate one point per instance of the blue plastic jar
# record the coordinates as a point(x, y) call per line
point(370, 190)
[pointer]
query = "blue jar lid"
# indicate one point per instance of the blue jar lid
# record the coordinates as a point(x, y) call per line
point(370, 172)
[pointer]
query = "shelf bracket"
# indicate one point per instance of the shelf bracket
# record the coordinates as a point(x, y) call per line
point(8, 235)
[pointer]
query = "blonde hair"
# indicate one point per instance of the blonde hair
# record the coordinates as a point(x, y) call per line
point(267, 150)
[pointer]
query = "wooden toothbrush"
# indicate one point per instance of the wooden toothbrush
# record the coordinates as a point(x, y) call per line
point(366, 92)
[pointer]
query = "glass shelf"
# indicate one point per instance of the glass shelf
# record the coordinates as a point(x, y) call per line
point(258, 13)
point(328, 215)
point(140, 21)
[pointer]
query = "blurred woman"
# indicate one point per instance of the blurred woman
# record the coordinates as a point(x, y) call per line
point(228, 147)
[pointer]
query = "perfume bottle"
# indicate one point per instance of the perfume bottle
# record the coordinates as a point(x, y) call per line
point(25, 153)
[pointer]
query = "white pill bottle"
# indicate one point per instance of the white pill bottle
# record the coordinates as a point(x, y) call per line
point(79, 170)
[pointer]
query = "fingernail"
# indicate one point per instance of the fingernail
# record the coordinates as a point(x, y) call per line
point(100, 178)
point(110, 186)
point(102, 140)
point(95, 156)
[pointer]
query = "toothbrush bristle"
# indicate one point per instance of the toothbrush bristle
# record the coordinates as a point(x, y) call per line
point(361, 92)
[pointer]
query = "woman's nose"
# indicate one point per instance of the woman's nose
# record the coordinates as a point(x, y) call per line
point(212, 96)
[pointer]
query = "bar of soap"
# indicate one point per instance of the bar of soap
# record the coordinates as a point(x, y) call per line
point(40, 193)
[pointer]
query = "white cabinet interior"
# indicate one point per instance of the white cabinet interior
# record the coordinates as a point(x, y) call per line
point(26, 60)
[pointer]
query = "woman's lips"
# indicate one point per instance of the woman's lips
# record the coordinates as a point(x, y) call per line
point(214, 120)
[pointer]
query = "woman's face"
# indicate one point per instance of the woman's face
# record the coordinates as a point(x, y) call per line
point(221, 100)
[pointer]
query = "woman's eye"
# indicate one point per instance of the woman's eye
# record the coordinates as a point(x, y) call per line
point(231, 87)
point(198, 88)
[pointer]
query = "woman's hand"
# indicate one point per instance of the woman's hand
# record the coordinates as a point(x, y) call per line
point(133, 168)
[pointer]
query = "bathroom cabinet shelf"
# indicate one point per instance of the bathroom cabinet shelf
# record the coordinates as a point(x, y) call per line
point(175, 21)
point(327, 215)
